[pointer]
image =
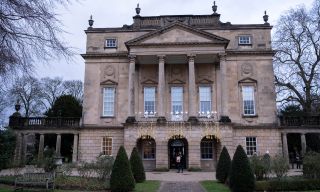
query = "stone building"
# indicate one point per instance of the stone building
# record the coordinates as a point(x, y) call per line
point(168, 84)
point(179, 83)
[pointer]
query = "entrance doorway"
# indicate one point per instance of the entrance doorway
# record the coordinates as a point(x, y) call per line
point(174, 147)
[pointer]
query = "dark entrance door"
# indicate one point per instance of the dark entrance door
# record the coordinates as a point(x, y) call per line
point(175, 146)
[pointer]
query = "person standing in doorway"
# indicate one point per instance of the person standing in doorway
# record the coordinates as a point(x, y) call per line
point(179, 162)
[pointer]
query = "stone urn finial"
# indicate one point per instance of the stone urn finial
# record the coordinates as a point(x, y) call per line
point(265, 17)
point(91, 21)
point(138, 9)
point(17, 106)
point(214, 7)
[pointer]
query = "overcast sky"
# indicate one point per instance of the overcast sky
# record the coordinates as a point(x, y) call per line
point(115, 13)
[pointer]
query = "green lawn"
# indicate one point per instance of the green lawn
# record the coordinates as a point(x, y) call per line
point(147, 186)
point(214, 186)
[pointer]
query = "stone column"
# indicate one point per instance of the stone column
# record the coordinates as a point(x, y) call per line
point(161, 90)
point(75, 148)
point(24, 148)
point(224, 88)
point(192, 90)
point(58, 145)
point(132, 63)
point(303, 144)
point(285, 146)
point(18, 149)
point(41, 147)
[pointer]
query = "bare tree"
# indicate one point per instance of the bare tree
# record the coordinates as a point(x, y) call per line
point(297, 61)
point(74, 88)
point(51, 90)
point(29, 31)
point(28, 90)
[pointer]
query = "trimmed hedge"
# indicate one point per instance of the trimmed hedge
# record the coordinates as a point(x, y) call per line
point(288, 185)
point(137, 166)
point(223, 166)
point(121, 177)
point(241, 176)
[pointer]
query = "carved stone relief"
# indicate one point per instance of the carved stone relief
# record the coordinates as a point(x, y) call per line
point(246, 69)
point(108, 72)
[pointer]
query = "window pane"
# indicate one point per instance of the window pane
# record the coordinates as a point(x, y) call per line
point(111, 43)
point(107, 146)
point(108, 101)
point(251, 145)
point(149, 99)
point(205, 99)
point(206, 149)
point(149, 149)
point(177, 102)
point(244, 40)
point(248, 100)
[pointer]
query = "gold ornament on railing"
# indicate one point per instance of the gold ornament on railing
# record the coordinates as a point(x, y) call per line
point(210, 128)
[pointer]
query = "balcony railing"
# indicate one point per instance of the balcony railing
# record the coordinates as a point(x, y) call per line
point(311, 120)
point(43, 122)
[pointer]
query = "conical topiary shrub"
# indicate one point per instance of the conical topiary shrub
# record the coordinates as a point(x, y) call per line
point(137, 166)
point(121, 177)
point(241, 176)
point(223, 167)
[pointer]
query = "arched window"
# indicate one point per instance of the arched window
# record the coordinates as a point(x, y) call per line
point(148, 149)
point(206, 146)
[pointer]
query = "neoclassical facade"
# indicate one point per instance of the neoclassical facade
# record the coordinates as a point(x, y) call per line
point(179, 83)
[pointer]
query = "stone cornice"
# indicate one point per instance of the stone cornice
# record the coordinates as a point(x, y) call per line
point(251, 52)
point(99, 55)
point(258, 126)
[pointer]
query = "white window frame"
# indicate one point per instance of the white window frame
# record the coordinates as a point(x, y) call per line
point(144, 100)
point(250, 148)
point(144, 142)
point(109, 44)
point(243, 88)
point(102, 146)
point(201, 112)
point(212, 142)
point(244, 40)
point(104, 102)
point(176, 117)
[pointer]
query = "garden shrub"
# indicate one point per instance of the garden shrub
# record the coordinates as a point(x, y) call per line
point(122, 179)
point(311, 165)
point(137, 166)
point(241, 176)
point(103, 166)
point(288, 184)
point(223, 166)
point(48, 161)
point(7, 146)
point(260, 166)
point(86, 170)
point(279, 166)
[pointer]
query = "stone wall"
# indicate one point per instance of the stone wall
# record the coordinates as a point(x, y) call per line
point(90, 142)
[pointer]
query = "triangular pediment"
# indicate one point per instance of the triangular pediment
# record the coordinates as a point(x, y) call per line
point(248, 80)
point(205, 81)
point(108, 82)
point(178, 33)
point(149, 82)
point(176, 81)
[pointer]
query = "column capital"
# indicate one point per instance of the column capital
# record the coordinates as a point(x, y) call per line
point(222, 56)
point(161, 58)
point(191, 55)
point(132, 57)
